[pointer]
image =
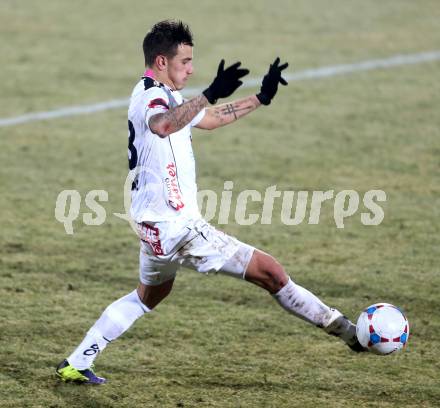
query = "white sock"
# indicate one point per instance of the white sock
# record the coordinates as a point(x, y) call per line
point(303, 304)
point(114, 321)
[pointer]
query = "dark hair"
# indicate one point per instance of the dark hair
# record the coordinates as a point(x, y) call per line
point(164, 38)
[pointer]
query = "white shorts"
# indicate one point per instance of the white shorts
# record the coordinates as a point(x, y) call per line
point(165, 246)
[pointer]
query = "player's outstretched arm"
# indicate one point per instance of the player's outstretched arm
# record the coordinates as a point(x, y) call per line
point(224, 114)
point(223, 85)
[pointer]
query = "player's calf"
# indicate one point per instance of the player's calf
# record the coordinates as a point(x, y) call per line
point(266, 272)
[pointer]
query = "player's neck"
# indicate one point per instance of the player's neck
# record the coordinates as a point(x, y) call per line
point(160, 77)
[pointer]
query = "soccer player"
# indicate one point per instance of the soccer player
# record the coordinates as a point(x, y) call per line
point(164, 198)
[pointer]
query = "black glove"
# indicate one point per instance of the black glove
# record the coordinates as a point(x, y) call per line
point(270, 82)
point(226, 81)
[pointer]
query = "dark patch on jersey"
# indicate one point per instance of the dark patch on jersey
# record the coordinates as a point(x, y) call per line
point(150, 82)
point(158, 102)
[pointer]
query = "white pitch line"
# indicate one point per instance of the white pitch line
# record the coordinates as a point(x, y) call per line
point(313, 73)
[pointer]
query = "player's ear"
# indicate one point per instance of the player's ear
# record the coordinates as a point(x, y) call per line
point(161, 62)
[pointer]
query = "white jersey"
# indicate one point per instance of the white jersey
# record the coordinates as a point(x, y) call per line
point(165, 185)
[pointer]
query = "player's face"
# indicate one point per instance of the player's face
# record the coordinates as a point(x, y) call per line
point(180, 67)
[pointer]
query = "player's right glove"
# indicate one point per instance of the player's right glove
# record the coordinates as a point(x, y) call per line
point(269, 86)
point(226, 81)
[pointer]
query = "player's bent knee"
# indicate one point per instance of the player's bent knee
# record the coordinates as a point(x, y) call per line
point(151, 296)
point(276, 278)
point(266, 272)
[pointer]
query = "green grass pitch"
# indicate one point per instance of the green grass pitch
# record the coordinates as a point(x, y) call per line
point(218, 342)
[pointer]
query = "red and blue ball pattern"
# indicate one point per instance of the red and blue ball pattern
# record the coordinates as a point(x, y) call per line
point(375, 338)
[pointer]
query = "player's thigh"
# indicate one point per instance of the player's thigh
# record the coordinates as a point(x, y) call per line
point(265, 271)
point(156, 276)
point(237, 264)
point(211, 250)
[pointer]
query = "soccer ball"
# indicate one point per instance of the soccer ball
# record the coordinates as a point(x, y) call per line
point(382, 328)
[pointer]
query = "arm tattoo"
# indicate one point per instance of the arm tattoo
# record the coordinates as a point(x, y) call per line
point(178, 117)
point(233, 109)
point(229, 112)
point(229, 109)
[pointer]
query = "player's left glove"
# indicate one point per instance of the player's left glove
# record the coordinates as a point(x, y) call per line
point(269, 86)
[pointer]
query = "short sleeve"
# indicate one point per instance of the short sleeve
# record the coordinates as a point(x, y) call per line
point(196, 120)
point(156, 101)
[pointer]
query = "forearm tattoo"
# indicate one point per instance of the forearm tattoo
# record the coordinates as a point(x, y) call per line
point(229, 112)
point(178, 117)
